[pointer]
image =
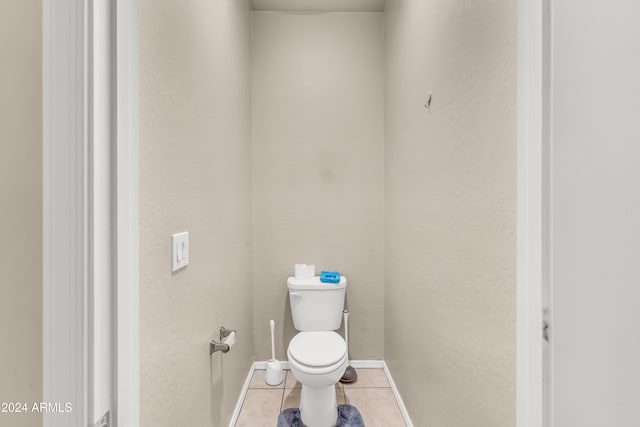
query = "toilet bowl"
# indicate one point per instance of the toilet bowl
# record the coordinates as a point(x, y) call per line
point(318, 360)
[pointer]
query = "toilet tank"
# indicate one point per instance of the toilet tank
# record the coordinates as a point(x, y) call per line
point(316, 306)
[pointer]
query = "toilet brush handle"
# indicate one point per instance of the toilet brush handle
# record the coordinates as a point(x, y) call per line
point(346, 328)
point(272, 324)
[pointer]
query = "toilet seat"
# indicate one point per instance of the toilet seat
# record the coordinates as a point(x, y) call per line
point(317, 351)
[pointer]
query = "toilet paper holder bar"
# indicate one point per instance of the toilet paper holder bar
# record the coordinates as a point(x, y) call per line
point(215, 346)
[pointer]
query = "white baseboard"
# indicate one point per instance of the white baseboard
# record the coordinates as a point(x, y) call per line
point(396, 393)
point(359, 364)
point(263, 364)
point(367, 364)
point(243, 395)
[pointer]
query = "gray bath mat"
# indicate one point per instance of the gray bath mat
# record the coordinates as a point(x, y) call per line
point(348, 416)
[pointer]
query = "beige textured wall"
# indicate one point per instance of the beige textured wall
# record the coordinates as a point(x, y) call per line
point(194, 175)
point(21, 207)
point(450, 235)
point(318, 162)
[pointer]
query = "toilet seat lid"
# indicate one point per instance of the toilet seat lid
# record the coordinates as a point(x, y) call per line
point(317, 348)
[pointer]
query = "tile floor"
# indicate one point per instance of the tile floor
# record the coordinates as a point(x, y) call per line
point(371, 394)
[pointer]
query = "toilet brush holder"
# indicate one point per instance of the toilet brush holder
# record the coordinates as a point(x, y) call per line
point(275, 374)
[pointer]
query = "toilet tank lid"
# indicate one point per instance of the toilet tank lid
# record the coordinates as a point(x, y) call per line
point(314, 283)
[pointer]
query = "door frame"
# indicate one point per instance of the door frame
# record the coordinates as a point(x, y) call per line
point(127, 216)
point(66, 224)
point(533, 201)
point(65, 211)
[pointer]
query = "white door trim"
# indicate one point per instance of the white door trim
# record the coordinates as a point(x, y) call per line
point(127, 217)
point(65, 211)
point(66, 221)
point(533, 193)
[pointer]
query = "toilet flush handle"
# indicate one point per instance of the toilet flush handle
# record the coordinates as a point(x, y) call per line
point(295, 294)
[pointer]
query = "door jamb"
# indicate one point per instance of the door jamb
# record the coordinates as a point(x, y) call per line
point(65, 211)
point(534, 29)
point(66, 232)
point(127, 215)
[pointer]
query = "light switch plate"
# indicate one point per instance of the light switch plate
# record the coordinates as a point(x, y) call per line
point(179, 250)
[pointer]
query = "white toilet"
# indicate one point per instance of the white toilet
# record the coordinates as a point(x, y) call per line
point(317, 354)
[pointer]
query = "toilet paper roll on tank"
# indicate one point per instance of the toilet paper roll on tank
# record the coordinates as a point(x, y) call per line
point(304, 271)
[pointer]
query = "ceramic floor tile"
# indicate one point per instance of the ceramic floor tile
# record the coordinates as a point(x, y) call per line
point(377, 406)
point(340, 394)
point(291, 397)
point(257, 381)
point(260, 408)
point(291, 381)
point(369, 378)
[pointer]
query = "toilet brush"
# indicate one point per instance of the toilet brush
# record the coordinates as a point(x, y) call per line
point(350, 374)
point(274, 375)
